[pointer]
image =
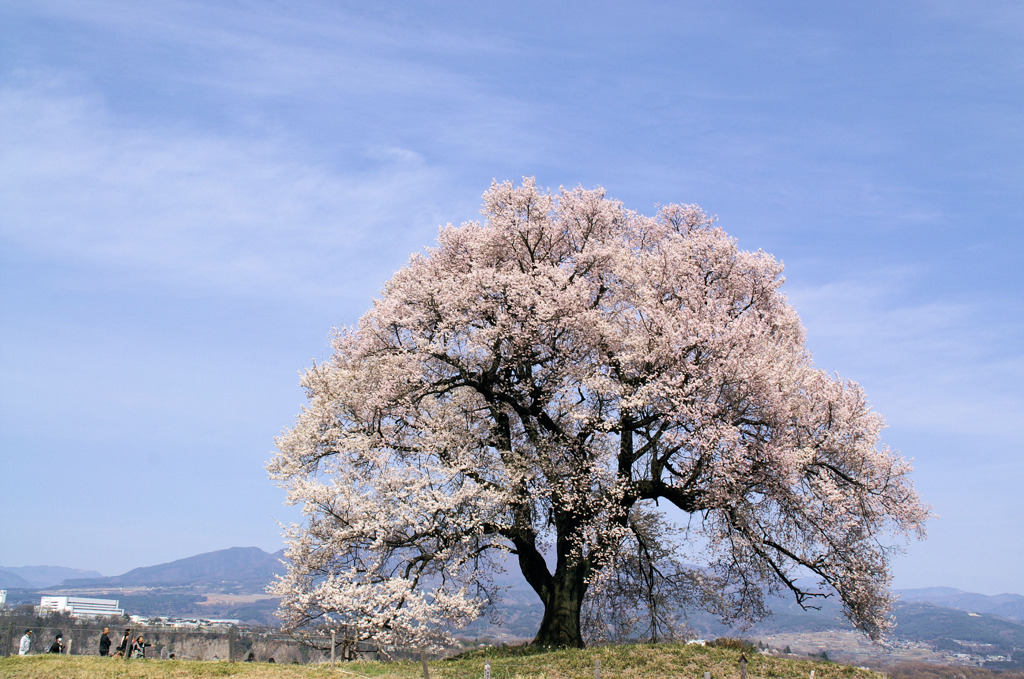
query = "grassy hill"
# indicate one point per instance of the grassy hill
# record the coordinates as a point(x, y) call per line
point(616, 662)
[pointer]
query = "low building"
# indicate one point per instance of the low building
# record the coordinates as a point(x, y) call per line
point(80, 607)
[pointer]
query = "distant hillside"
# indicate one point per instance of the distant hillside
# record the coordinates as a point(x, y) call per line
point(243, 569)
point(9, 580)
point(1009, 606)
point(40, 576)
point(929, 622)
point(190, 587)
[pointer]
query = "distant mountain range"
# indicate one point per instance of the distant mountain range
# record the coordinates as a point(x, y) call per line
point(11, 580)
point(916, 617)
point(241, 568)
point(244, 568)
point(28, 577)
point(930, 621)
point(228, 583)
point(182, 587)
point(1009, 606)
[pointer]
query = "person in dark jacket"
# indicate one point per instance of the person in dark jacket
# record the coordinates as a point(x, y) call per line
point(105, 642)
point(125, 645)
point(58, 645)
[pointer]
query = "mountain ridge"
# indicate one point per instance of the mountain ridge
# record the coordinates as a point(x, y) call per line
point(253, 566)
point(1009, 606)
point(11, 580)
point(40, 576)
point(250, 568)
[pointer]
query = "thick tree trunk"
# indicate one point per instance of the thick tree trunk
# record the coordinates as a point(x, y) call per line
point(561, 592)
point(560, 626)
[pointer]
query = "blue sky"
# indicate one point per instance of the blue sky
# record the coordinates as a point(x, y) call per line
point(193, 194)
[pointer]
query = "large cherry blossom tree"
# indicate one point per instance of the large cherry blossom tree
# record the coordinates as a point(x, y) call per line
point(539, 388)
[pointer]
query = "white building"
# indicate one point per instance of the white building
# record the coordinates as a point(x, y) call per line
point(79, 607)
point(3, 598)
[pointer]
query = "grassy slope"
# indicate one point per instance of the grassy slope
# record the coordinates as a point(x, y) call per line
point(617, 662)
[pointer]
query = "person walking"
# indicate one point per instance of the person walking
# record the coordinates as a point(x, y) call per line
point(26, 643)
point(58, 644)
point(105, 642)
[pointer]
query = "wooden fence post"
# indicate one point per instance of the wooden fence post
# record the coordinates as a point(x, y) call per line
point(332, 649)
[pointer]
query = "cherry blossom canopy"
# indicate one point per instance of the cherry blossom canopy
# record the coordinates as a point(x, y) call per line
point(534, 384)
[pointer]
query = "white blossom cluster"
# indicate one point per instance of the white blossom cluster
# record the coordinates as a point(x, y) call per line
point(531, 386)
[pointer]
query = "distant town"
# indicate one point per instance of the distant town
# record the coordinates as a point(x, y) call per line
point(87, 608)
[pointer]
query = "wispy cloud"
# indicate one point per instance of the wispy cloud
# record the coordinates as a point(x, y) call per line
point(235, 212)
point(935, 362)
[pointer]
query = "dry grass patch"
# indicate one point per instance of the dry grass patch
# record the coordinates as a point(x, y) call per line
point(90, 667)
point(667, 661)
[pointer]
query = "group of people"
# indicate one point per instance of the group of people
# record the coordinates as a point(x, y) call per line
point(130, 647)
point(26, 644)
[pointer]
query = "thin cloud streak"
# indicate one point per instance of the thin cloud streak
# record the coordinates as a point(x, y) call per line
point(194, 209)
point(940, 364)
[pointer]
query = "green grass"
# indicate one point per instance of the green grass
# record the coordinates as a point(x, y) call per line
point(617, 662)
